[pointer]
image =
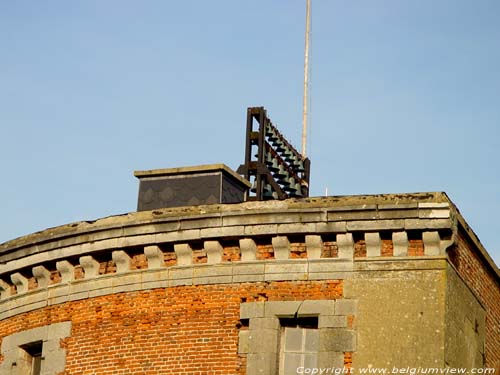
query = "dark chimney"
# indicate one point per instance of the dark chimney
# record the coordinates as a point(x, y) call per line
point(188, 186)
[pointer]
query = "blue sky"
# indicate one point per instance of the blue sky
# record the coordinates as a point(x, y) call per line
point(405, 97)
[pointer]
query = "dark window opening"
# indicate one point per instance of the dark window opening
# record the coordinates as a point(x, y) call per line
point(309, 322)
point(34, 351)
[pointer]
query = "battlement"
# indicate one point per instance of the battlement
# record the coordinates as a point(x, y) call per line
point(314, 239)
point(342, 260)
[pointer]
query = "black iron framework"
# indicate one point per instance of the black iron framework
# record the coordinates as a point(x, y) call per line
point(273, 166)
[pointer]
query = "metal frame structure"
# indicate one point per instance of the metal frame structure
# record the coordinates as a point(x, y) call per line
point(273, 166)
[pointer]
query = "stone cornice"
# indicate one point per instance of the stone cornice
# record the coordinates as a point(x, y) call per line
point(431, 214)
point(389, 211)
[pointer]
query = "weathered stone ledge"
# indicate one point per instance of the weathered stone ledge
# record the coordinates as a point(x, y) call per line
point(40, 265)
point(94, 285)
point(224, 221)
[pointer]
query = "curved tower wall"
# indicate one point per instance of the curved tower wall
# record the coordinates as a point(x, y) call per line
point(210, 289)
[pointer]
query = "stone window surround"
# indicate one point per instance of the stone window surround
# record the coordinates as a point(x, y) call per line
point(53, 356)
point(260, 341)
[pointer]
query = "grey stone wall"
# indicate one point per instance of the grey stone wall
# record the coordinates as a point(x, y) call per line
point(465, 325)
point(401, 316)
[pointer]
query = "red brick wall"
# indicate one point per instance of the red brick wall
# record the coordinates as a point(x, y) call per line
point(474, 272)
point(182, 330)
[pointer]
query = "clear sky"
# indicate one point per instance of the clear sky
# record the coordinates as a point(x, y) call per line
point(405, 98)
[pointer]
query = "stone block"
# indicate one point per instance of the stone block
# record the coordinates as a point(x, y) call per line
point(433, 205)
point(314, 246)
point(261, 363)
point(345, 214)
point(331, 360)
point(147, 285)
point(396, 206)
point(79, 295)
point(82, 287)
point(345, 306)
point(281, 247)
point(107, 244)
point(122, 261)
point(332, 321)
point(331, 227)
point(248, 249)
point(154, 256)
point(27, 302)
point(286, 276)
point(42, 276)
point(250, 310)
point(212, 280)
point(132, 278)
point(345, 245)
point(316, 307)
point(337, 340)
point(373, 244)
point(291, 228)
point(130, 241)
point(212, 274)
point(253, 268)
point(99, 235)
point(376, 225)
point(281, 308)
point(155, 275)
point(214, 251)
point(428, 224)
point(136, 230)
point(125, 288)
point(353, 208)
point(20, 282)
point(26, 308)
point(434, 213)
point(66, 270)
point(58, 294)
point(432, 243)
point(218, 232)
point(256, 230)
point(180, 276)
point(204, 270)
point(248, 278)
point(243, 342)
point(181, 235)
point(99, 283)
point(330, 265)
point(4, 290)
point(71, 251)
point(90, 266)
point(329, 276)
point(184, 254)
point(293, 267)
point(263, 340)
point(58, 331)
point(400, 243)
point(286, 270)
point(398, 213)
point(204, 222)
point(264, 323)
point(102, 292)
point(26, 262)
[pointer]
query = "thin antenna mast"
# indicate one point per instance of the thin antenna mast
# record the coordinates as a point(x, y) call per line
point(306, 78)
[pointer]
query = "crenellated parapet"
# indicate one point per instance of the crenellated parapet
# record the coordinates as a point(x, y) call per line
point(311, 239)
point(235, 279)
